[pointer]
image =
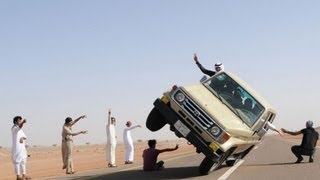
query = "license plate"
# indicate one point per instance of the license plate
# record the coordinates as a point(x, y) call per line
point(183, 129)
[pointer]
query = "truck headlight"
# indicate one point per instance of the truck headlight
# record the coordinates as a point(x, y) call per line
point(215, 131)
point(180, 97)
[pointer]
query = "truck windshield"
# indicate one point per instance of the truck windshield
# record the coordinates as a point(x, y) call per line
point(235, 97)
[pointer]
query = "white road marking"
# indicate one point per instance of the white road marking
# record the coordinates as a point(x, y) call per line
point(230, 171)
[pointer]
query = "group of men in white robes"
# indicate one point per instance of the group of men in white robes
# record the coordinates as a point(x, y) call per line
point(112, 141)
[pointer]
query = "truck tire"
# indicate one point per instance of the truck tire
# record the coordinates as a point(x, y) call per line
point(233, 161)
point(238, 157)
point(155, 120)
point(207, 165)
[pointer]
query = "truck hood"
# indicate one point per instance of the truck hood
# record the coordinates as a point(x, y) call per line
point(217, 110)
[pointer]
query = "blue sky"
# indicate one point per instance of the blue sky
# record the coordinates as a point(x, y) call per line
point(68, 58)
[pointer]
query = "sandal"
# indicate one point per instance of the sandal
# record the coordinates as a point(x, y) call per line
point(128, 162)
point(112, 165)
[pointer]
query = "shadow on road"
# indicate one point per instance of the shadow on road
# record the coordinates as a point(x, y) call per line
point(169, 173)
point(274, 164)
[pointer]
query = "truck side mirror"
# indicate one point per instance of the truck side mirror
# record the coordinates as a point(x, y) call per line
point(203, 78)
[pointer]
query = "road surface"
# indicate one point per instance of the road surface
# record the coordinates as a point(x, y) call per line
point(272, 159)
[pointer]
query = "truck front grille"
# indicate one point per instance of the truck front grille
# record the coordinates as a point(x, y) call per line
point(196, 112)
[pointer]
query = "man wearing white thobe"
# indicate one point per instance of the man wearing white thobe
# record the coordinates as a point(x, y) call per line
point(127, 139)
point(19, 152)
point(111, 141)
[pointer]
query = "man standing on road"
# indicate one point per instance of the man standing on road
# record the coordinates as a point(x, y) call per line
point(150, 156)
point(127, 139)
point(19, 152)
point(308, 144)
point(67, 143)
point(111, 141)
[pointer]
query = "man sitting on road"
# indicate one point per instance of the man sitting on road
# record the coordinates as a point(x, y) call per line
point(308, 144)
point(150, 156)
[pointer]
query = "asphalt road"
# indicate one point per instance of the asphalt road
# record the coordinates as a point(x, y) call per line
point(272, 159)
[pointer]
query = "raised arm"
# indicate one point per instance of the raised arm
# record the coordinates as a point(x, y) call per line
point(76, 120)
point(169, 149)
point(80, 132)
point(203, 69)
point(69, 132)
point(23, 121)
point(109, 117)
point(294, 133)
point(195, 58)
point(133, 127)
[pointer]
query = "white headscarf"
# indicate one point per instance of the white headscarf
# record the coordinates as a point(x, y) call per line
point(219, 64)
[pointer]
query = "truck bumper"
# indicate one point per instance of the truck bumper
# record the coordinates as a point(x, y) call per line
point(171, 117)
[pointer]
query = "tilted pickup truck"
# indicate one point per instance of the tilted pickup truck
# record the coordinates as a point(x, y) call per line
point(221, 116)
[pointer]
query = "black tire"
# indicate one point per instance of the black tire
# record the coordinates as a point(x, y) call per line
point(233, 161)
point(238, 157)
point(155, 120)
point(207, 165)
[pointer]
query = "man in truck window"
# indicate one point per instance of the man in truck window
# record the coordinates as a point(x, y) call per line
point(218, 67)
point(308, 144)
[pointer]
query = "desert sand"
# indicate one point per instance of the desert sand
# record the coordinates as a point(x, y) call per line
point(47, 161)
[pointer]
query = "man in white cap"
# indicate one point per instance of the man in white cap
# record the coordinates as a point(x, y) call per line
point(218, 67)
point(308, 144)
point(127, 139)
point(111, 141)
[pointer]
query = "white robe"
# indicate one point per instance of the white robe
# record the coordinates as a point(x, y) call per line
point(127, 139)
point(111, 143)
point(18, 151)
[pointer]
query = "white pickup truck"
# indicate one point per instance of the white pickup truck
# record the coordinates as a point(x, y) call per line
point(221, 116)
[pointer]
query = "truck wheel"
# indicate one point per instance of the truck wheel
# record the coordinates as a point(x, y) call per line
point(237, 158)
point(207, 165)
point(233, 161)
point(155, 120)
